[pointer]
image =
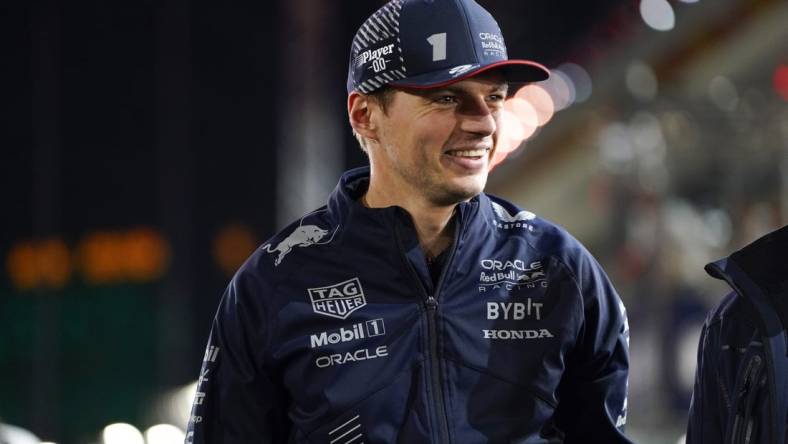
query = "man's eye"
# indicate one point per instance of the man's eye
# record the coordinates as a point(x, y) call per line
point(446, 100)
point(497, 98)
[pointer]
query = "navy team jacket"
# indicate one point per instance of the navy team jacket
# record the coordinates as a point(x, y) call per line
point(741, 383)
point(334, 333)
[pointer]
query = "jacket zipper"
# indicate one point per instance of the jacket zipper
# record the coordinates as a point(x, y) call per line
point(431, 304)
point(435, 368)
point(745, 402)
point(432, 314)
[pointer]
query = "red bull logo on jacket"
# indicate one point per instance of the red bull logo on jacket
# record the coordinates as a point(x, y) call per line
point(303, 236)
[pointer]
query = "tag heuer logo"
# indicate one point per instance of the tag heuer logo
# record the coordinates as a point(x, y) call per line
point(338, 300)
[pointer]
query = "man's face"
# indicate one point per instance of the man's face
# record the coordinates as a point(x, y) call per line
point(439, 142)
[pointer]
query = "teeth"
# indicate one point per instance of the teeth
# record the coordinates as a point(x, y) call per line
point(468, 153)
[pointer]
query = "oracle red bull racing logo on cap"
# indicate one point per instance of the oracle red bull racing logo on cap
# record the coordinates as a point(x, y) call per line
point(338, 300)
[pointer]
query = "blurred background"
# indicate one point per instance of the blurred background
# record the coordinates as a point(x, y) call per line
point(148, 147)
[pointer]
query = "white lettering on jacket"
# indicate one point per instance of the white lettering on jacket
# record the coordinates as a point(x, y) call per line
point(515, 310)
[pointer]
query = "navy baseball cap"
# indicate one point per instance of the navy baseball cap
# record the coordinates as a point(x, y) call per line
point(431, 43)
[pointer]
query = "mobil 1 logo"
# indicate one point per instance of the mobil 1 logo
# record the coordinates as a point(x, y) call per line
point(356, 332)
point(338, 300)
point(361, 330)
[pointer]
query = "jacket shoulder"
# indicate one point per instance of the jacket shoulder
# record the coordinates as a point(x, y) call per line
point(541, 234)
point(549, 240)
point(259, 277)
point(313, 229)
point(733, 320)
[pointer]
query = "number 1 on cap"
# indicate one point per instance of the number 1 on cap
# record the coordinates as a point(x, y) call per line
point(438, 42)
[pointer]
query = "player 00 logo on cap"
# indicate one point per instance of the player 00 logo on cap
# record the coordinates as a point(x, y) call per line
point(338, 300)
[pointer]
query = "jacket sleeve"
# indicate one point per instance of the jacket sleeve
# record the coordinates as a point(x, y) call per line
point(237, 398)
point(705, 424)
point(593, 390)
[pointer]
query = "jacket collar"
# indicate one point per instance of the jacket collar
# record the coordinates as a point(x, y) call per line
point(345, 206)
point(759, 272)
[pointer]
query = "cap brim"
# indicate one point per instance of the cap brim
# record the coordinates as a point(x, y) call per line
point(516, 71)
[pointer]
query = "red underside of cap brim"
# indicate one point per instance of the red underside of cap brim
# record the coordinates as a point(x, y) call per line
point(513, 70)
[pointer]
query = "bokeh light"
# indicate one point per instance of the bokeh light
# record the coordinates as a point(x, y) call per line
point(535, 104)
point(137, 255)
point(641, 81)
point(560, 88)
point(616, 151)
point(687, 352)
point(646, 132)
point(164, 434)
point(16, 435)
point(513, 129)
point(579, 78)
point(146, 253)
point(44, 263)
point(658, 14)
point(519, 121)
point(722, 92)
point(540, 101)
point(526, 116)
point(179, 403)
point(509, 138)
point(781, 81)
point(232, 246)
point(121, 433)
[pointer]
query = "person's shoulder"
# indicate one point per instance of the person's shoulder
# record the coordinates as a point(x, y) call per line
point(554, 244)
point(733, 312)
point(731, 323)
point(286, 249)
point(540, 233)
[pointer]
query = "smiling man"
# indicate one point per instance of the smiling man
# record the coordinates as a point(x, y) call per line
point(414, 308)
point(429, 149)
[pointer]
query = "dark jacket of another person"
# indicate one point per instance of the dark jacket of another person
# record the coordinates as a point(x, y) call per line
point(741, 384)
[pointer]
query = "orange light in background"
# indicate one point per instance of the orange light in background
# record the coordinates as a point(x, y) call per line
point(781, 81)
point(513, 128)
point(100, 257)
point(526, 115)
point(136, 255)
point(44, 263)
point(520, 121)
point(540, 101)
point(232, 246)
point(21, 265)
point(146, 255)
point(55, 262)
point(509, 137)
point(104, 257)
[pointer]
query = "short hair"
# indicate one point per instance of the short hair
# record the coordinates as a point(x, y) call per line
point(383, 97)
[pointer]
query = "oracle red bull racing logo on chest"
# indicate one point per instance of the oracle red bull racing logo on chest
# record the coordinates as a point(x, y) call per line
point(338, 300)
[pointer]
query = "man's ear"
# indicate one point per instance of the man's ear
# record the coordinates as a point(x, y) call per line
point(359, 110)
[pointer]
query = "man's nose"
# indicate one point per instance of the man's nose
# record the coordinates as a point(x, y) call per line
point(479, 118)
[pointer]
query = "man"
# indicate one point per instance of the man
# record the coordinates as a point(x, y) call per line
point(741, 383)
point(413, 308)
